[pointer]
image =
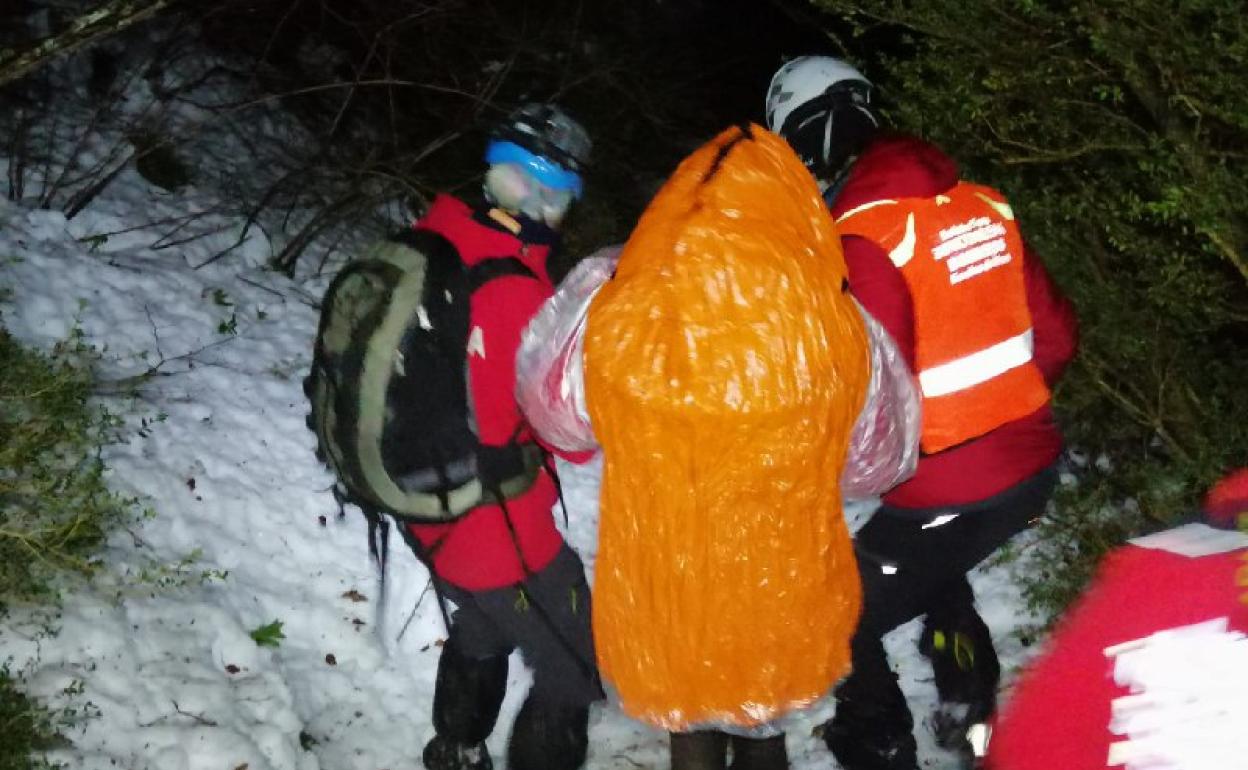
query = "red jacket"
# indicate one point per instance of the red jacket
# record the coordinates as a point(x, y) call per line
point(1058, 713)
point(903, 167)
point(477, 551)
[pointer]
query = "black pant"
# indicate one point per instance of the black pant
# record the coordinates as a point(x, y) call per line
point(548, 620)
point(708, 750)
point(914, 563)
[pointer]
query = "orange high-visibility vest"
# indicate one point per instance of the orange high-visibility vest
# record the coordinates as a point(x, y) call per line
point(961, 256)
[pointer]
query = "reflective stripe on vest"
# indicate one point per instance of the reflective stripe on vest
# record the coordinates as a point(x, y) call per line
point(981, 366)
point(960, 254)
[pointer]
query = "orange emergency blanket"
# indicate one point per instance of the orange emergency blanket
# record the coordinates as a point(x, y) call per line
point(724, 366)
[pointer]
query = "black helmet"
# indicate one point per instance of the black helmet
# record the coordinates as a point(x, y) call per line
point(548, 131)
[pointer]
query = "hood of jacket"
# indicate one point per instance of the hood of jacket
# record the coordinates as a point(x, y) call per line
point(896, 166)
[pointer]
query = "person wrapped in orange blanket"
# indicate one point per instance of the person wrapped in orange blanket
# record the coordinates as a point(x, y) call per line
point(725, 363)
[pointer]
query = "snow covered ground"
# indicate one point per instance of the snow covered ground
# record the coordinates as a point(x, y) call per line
point(216, 445)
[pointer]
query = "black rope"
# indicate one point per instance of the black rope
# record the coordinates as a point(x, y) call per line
point(378, 538)
point(444, 481)
point(425, 556)
point(548, 464)
point(379, 549)
point(340, 497)
point(411, 615)
point(511, 529)
point(588, 669)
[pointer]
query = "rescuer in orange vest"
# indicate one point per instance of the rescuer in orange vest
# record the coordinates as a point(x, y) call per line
point(988, 334)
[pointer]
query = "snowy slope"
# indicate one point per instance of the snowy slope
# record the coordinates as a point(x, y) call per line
point(230, 472)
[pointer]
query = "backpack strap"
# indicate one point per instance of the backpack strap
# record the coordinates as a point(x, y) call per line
point(496, 267)
point(511, 468)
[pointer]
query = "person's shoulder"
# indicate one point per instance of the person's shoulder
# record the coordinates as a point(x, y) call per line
point(896, 166)
point(444, 207)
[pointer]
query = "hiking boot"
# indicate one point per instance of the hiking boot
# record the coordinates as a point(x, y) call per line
point(445, 754)
point(967, 672)
point(700, 750)
point(855, 750)
point(548, 736)
point(949, 724)
point(958, 727)
point(759, 753)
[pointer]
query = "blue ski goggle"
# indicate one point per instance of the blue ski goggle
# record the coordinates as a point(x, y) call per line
point(543, 170)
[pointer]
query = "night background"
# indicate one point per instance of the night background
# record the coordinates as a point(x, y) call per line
point(1117, 129)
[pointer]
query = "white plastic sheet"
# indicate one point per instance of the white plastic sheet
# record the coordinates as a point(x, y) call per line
point(550, 382)
point(550, 387)
point(884, 445)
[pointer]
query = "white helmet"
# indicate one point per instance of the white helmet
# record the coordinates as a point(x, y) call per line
point(822, 106)
point(803, 79)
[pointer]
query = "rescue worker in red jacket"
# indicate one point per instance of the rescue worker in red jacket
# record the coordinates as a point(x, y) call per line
point(514, 582)
point(988, 335)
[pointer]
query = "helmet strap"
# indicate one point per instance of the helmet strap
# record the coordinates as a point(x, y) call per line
point(506, 220)
point(831, 129)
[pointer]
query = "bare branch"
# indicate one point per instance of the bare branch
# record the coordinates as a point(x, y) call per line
point(92, 25)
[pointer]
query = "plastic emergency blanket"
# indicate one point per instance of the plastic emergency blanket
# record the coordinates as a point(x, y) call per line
point(884, 445)
point(550, 385)
point(725, 364)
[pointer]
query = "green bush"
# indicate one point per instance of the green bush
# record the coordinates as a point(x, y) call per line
point(25, 728)
point(55, 508)
point(1117, 129)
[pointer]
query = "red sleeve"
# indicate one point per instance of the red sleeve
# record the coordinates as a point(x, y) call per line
point(500, 311)
point(1053, 320)
point(877, 284)
point(576, 458)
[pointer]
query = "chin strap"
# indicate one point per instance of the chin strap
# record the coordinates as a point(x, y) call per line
point(832, 188)
point(505, 219)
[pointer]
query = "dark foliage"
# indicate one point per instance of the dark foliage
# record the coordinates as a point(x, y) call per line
point(25, 728)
